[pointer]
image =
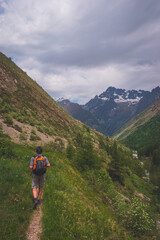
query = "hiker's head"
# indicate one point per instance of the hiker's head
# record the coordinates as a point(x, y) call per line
point(38, 150)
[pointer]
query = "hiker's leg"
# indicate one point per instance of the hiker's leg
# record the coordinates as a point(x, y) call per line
point(35, 185)
point(35, 192)
point(40, 194)
point(41, 184)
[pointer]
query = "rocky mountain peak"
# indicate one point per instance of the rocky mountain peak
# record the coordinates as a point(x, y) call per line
point(109, 111)
point(63, 101)
point(122, 95)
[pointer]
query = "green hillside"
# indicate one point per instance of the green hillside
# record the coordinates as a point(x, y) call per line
point(137, 123)
point(143, 134)
point(146, 134)
point(94, 187)
point(146, 141)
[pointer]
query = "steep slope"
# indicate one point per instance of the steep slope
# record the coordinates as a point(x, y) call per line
point(28, 113)
point(143, 135)
point(143, 129)
point(77, 111)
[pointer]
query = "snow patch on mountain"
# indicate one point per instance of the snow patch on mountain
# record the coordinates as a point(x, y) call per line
point(104, 98)
point(129, 100)
point(121, 95)
point(61, 99)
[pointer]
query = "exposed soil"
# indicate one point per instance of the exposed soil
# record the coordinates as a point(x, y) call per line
point(35, 227)
point(7, 82)
point(15, 134)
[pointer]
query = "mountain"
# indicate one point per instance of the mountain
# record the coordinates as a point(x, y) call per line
point(95, 188)
point(115, 107)
point(112, 109)
point(77, 111)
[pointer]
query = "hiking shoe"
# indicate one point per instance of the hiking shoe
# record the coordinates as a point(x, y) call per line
point(39, 203)
point(35, 203)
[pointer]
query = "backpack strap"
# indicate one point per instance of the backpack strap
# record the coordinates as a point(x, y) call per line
point(35, 162)
point(38, 158)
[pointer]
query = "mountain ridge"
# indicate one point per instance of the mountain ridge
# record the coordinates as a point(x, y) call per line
point(113, 108)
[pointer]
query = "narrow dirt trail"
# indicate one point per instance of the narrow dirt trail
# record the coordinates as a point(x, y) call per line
point(35, 227)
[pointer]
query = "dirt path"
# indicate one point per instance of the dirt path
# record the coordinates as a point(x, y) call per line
point(35, 227)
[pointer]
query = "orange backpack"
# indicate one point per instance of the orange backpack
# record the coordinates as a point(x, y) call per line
point(39, 167)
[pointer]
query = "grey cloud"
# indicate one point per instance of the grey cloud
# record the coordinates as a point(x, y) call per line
point(107, 36)
point(100, 37)
point(122, 34)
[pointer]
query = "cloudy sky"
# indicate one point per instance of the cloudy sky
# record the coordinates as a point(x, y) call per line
point(76, 49)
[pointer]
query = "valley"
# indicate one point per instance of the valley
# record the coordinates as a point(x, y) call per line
point(94, 188)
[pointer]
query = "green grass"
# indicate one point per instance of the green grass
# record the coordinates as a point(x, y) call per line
point(76, 205)
point(145, 134)
point(15, 189)
point(89, 205)
point(73, 209)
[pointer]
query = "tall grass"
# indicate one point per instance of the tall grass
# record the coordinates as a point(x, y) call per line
point(15, 191)
point(73, 209)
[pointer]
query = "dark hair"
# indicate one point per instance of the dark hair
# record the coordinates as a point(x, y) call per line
point(38, 150)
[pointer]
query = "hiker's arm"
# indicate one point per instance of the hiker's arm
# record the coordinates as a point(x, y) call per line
point(31, 163)
point(47, 162)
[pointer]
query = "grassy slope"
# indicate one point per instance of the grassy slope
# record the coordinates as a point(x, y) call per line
point(138, 122)
point(27, 96)
point(72, 208)
point(145, 135)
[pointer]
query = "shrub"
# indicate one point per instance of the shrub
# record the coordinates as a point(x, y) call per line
point(103, 177)
point(86, 157)
point(33, 136)
point(49, 131)
point(18, 128)
point(54, 146)
point(138, 217)
point(70, 151)
point(8, 119)
point(40, 129)
point(23, 136)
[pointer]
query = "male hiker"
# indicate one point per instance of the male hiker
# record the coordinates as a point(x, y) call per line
point(38, 164)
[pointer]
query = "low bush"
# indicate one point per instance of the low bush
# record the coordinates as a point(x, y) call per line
point(138, 216)
point(33, 136)
point(8, 119)
point(23, 136)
